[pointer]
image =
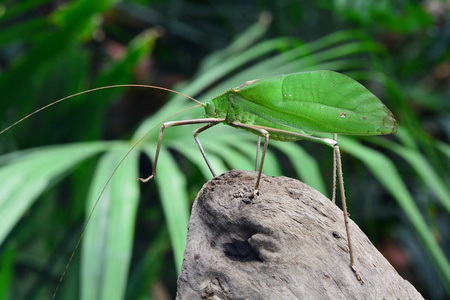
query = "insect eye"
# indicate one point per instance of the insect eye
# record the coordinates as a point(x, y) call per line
point(209, 107)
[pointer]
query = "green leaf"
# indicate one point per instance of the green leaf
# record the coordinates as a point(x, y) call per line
point(108, 240)
point(171, 184)
point(194, 156)
point(384, 170)
point(116, 73)
point(444, 148)
point(7, 261)
point(21, 7)
point(424, 169)
point(22, 32)
point(36, 169)
point(305, 165)
point(240, 43)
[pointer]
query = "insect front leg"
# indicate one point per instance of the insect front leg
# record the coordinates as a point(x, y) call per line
point(161, 135)
point(196, 133)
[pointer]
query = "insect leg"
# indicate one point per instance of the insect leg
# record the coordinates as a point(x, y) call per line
point(263, 157)
point(333, 195)
point(266, 135)
point(196, 133)
point(161, 135)
point(258, 146)
point(337, 155)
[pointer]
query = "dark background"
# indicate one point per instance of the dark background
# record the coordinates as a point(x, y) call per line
point(52, 49)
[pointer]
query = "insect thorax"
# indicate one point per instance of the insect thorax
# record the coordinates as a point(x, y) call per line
point(218, 107)
point(234, 108)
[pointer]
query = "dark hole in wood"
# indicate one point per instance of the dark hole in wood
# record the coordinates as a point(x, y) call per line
point(240, 251)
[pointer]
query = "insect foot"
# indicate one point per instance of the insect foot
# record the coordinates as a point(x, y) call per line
point(146, 179)
point(357, 275)
point(254, 194)
point(279, 247)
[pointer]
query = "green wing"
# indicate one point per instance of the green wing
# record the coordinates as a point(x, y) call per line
point(318, 101)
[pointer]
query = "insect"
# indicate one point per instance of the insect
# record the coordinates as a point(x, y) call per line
point(293, 107)
point(289, 108)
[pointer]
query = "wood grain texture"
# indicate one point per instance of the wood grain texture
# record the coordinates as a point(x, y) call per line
point(288, 243)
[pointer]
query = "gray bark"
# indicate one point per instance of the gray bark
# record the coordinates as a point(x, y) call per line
point(287, 243)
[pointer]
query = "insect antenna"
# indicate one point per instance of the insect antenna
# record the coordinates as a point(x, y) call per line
point(83, 230)
point(97, 89)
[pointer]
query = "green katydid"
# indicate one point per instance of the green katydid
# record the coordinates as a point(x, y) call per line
point(290, 108)
point(293, 107)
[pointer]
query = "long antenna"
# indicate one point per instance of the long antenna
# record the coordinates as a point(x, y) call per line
point(83, 230)
point(93, 90)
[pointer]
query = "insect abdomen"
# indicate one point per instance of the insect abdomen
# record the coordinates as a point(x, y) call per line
point(319, 101)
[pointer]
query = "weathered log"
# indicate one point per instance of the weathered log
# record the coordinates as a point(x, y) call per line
point(287, 243)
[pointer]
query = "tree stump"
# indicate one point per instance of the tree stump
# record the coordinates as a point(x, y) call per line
point(287, 243)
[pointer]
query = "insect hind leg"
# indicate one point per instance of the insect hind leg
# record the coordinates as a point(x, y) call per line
point(337, 165)
point(333, 195)
point(337, 168)
point(258, 146)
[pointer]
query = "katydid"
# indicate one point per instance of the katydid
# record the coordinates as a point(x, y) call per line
point(288, 108)
point(293, 107)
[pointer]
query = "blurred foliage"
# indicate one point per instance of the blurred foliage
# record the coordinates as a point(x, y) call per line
point(56, 163)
